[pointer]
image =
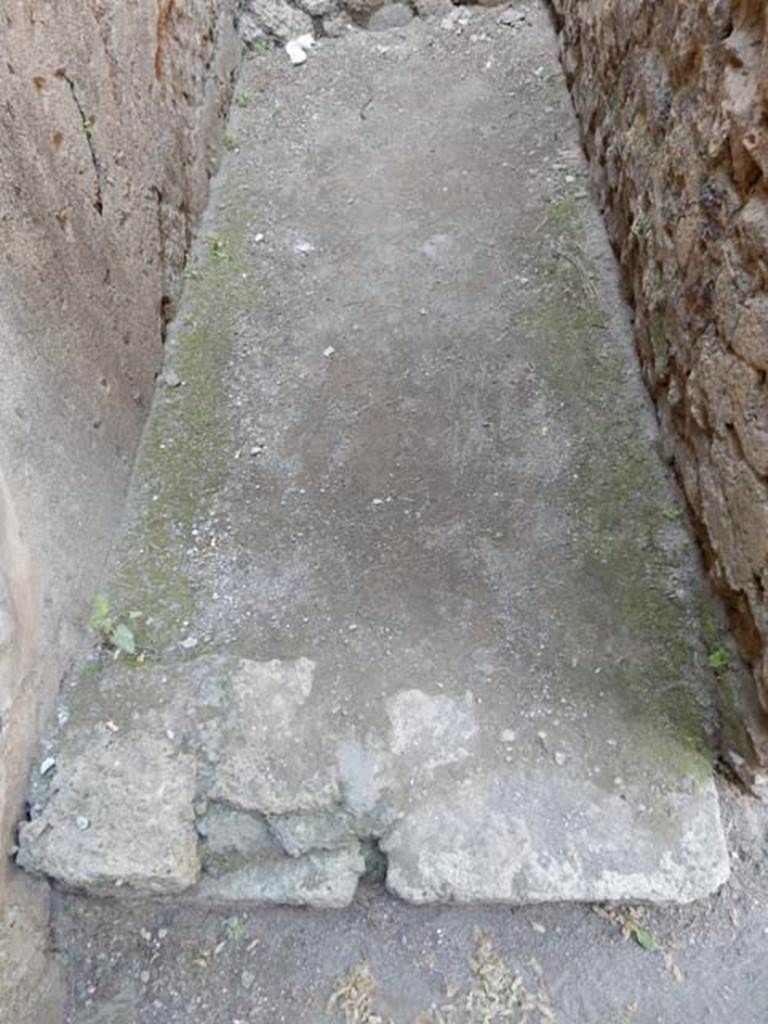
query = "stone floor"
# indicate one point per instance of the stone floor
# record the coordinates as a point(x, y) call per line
point(413, 598)
point(410, 583)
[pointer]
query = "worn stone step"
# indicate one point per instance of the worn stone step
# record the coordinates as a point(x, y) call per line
point(415, 592)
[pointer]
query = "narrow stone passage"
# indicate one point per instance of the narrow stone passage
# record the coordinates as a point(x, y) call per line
point(414, 591)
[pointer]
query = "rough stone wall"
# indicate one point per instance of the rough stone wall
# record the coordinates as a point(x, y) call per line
point(110, 125)
point(673, 102)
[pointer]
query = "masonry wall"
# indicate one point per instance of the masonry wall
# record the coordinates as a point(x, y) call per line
point(110, 118)
point(673, 101)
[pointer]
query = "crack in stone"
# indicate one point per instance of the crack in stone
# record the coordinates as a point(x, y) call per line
point(98, 201)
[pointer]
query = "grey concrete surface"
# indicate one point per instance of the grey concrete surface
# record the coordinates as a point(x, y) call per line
point(408, 568)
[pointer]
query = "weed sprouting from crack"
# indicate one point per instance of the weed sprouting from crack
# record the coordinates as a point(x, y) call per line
point(114, 635)
point(629, 926)
point(628, 922)
point(235, 929)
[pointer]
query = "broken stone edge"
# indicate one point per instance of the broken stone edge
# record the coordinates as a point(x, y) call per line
point(230, 813)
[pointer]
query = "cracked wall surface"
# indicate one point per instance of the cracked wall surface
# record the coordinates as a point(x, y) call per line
point(673, 103)
point(110, 121)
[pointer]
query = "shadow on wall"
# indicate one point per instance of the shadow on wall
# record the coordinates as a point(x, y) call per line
point(110, 129)
point(20, 656)
point(23, 666)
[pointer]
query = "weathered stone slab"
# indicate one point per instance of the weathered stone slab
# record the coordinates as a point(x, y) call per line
point(324, 880)
point(514, 838)
point(275, 18)
point(271, 757)
point(119, 815)
point(300, 833)
point(233, 836)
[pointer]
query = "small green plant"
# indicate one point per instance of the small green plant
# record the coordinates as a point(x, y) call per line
point(220, 250)
point(191, 270)
point(71, 958)
point(644, 937)
point(115, 635)
point(104, 972)
point(243, 100)
point(260, 47)
point(719, 659)
point(629, 926)
point(236, 929)
point(230, 141)
point(672, 513)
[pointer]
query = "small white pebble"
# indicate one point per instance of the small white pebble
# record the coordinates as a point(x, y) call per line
point(327, 352)
point(47, 765)
point(296, 53)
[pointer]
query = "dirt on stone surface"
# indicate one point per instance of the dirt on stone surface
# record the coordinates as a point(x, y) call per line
point(381, 960)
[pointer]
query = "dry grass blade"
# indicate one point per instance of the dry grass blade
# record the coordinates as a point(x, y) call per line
point(354, 997)
point(497, 994)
